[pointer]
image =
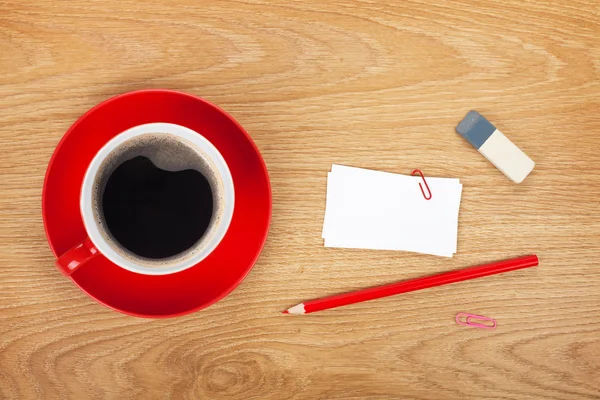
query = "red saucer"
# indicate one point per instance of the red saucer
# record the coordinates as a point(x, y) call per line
point(182, 292)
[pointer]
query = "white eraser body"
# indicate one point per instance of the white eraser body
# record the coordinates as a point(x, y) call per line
point(507, 157)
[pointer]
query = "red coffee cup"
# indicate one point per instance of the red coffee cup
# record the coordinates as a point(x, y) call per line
point(169, 294)
point(124, 146)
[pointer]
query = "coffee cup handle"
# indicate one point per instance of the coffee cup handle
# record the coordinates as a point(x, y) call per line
point(76, 257)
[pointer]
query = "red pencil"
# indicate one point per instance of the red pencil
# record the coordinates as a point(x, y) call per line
point(413, 284)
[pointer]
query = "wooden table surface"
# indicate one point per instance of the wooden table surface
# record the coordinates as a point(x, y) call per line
point(374, 84)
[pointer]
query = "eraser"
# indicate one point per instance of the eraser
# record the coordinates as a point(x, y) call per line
point(494, 146)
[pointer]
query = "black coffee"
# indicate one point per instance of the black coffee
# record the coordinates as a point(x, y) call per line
point(156, 213)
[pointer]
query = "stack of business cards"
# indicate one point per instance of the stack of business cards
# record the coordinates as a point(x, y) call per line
point(369, 209)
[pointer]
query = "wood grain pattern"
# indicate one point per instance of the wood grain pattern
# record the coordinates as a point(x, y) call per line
point(368, 83)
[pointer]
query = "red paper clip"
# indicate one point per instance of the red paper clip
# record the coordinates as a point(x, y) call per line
point(465, 319)
point(421, 186)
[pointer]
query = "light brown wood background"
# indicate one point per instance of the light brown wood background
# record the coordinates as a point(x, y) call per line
point(375, 84)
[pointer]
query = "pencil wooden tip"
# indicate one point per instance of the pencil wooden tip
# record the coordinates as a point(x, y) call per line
point(298, 309)
point(285, 312)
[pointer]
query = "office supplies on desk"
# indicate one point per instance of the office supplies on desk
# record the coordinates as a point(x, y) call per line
point(467, 319)
point(413, 285)
point(496, 147)
point(367, 209)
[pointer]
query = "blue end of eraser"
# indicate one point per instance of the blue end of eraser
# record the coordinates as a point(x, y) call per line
point(475, 128)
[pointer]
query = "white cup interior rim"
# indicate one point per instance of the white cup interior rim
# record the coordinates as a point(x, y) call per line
point(86, 206)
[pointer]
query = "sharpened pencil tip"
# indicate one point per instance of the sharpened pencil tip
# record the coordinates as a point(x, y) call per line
point(285, 312)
